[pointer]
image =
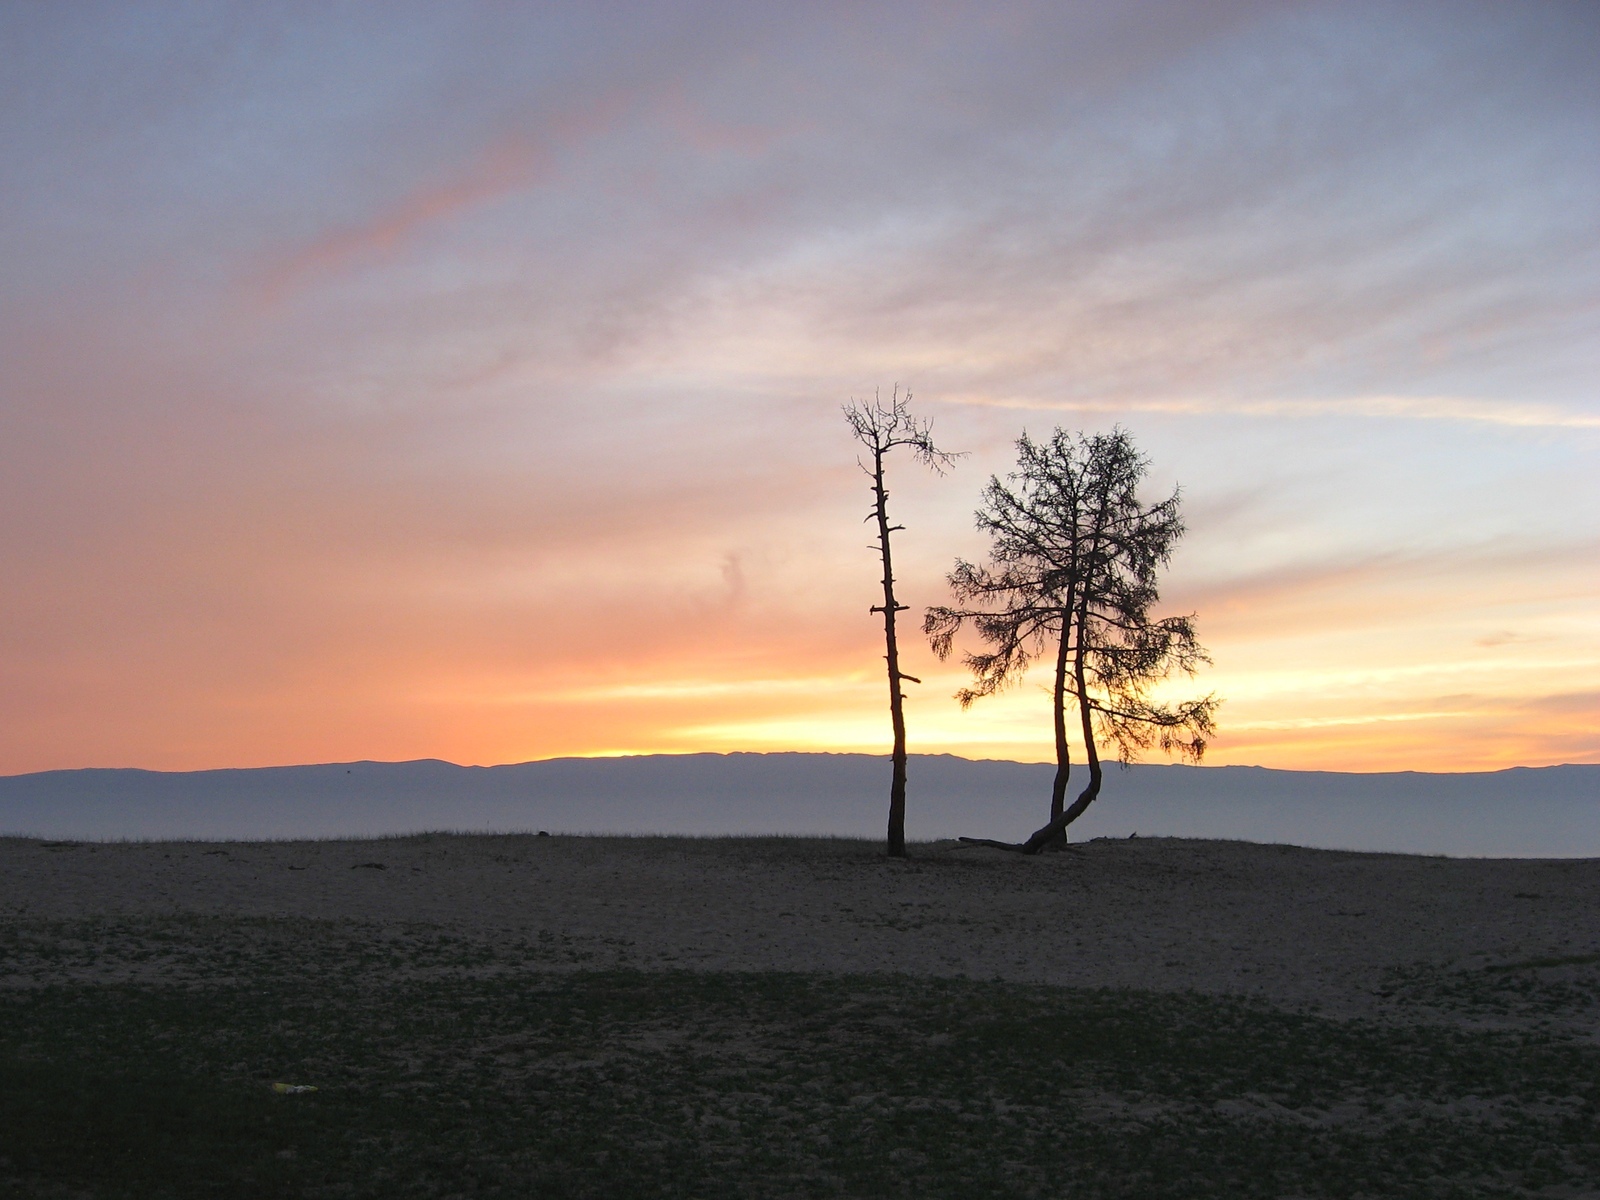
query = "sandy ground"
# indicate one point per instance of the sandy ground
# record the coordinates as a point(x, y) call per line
point(1294, 927)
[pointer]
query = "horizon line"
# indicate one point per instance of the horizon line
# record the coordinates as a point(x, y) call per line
point(1109, 766)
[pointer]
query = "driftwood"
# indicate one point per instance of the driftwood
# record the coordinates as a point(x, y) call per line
point(1017, 847)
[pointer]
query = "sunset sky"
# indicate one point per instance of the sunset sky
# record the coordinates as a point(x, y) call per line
point(463, 380)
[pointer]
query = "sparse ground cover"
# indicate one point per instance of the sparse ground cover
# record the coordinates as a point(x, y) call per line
point(137, 1056)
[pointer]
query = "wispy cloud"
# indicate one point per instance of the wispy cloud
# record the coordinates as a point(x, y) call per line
point(1406, 408)
point(1383, 718)
point(510, 164)
point(681, 690)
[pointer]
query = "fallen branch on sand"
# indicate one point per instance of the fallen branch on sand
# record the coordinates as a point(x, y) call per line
point(1027, 847)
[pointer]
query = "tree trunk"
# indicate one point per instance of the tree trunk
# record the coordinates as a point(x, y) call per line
point(897, 783)
point(1056, 830)
point(1091, 755)
point(1058, 787)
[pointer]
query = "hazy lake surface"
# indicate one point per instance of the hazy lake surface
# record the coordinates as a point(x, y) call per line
point(1537, 812)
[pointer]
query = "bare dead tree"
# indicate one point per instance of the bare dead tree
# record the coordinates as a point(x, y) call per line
point(1074, 559)
point(881, 428)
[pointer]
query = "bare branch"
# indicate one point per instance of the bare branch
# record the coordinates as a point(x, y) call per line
point(881, 428)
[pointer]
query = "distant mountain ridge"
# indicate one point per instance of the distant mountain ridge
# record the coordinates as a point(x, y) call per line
point(1523, 811)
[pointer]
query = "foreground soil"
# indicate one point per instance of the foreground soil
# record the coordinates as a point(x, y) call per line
point(1296, 928)
point(675, 1017)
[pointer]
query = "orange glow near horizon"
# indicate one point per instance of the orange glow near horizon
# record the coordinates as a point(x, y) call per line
point(648, 637)
point(486, 722)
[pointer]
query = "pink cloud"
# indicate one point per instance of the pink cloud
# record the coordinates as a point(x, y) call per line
point(511, 164)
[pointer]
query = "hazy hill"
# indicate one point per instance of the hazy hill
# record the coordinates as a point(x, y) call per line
point(1547, 811)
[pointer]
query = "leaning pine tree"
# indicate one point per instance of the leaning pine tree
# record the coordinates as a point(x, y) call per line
point(1073, 562)
point(881, 428)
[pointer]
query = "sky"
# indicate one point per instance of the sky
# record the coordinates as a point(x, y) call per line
point(464, 381)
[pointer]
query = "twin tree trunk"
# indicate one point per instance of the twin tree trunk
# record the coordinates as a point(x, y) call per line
point(1058, 790)
point(897, 785)
point(1055, 833)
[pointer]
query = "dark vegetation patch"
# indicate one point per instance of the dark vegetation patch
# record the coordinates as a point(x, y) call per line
point(1568, 960)
point(203, 949)
point(1551, 993)
point(456, 1080)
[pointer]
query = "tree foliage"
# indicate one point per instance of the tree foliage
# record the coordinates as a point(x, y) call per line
point(1074, 562)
